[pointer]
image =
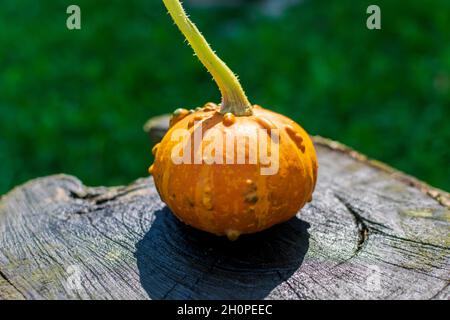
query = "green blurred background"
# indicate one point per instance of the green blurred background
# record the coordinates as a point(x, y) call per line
point(76, 101)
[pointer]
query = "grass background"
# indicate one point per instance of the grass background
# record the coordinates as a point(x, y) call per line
point(75, 101)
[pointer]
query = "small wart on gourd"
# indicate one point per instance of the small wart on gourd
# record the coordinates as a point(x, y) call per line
point(265, 123)
point(229, 119)
point(177, 116)
point(210, 106)
point(227, 205)
point(251, 195)
point(207, 199)
point(233, 235)
point(155, 149)
point(296, 137)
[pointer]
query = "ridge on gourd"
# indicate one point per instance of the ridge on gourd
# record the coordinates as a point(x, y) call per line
point(225, 197)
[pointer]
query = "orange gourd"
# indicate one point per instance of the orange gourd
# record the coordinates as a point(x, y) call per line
point(213, 191)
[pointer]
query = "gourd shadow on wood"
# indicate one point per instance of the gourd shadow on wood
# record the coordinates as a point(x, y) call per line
point(176, 261)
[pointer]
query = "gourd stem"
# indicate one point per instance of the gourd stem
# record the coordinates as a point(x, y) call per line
point(234, 99)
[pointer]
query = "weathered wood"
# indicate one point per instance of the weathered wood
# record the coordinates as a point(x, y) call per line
point(370, 232)
point(157, 127)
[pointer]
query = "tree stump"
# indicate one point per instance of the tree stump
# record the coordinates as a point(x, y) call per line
point(370, 232)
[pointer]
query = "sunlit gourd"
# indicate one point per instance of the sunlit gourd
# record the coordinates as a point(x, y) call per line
point(229, 189)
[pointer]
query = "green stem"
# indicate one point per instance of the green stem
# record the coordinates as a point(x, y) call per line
point(233, 97)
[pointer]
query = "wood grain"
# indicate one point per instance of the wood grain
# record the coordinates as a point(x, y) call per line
point(370, 232)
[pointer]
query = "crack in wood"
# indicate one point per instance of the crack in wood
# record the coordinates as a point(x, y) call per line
point(363, 229)
point(103, 197)
point(3, 275)
point(440, 291)
point(412, 269)
point(91, 222)
point(421, 243)
point(286, 280)
point(164, 297)
point(96, 199)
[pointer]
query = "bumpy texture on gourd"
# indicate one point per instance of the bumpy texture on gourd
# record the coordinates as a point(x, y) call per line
point(235, 199)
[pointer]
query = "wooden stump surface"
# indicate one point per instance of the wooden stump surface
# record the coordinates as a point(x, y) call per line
point(370, 232)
